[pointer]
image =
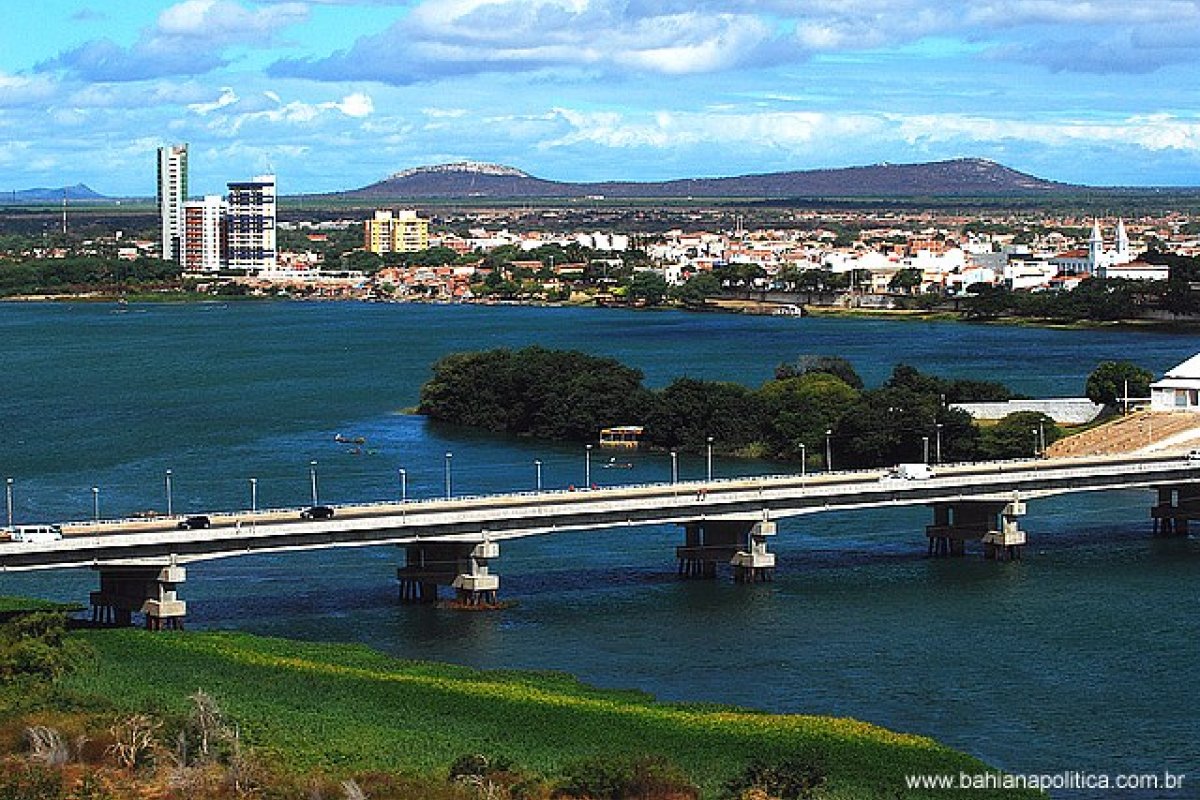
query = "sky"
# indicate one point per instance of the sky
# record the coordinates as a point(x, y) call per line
point(337, 94)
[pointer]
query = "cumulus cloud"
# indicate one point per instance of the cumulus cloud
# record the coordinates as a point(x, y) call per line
point(230, 114)
point(443, 38)
point(188, 38)
point(451, 37)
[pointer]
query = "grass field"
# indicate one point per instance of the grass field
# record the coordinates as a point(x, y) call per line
point(345, 708)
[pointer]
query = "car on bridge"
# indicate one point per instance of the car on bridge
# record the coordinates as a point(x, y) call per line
point(317, 512)
point(197, 522)
point(36, 534)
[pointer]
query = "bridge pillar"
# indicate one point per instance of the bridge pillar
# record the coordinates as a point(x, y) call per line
point(740, 543)
point(146, 588)
point(461, 565)
point(1007, 540)
point(755, 563)
point(1176, 506)
point(954, 524)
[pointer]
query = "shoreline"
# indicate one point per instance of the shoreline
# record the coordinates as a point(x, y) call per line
point(719, 306)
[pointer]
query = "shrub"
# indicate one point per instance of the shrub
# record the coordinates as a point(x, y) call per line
point(609, 778)
point(796, 778)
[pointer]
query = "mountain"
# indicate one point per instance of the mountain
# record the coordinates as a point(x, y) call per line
point(957, 178)
point(42, 195)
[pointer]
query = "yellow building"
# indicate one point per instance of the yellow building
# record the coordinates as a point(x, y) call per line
point(396, 232)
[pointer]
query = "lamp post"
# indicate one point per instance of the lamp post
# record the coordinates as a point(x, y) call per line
point(1035, 441)
point(1042, 436)
point(803, 461)
point(312, 475)
point(829, 450)
point(709, 458)
point(924, 449)
point(168, 481)
point(938, 450)
point(95, 504)
point(254, 495)
point(449, 485)
point(587, 467)
point(537, 467)
point(403, 473)
point(674, 467)
point(8, 484)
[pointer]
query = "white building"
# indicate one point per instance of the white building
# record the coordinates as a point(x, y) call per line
point(202, 247)
point(250, 225)
point(172, 194)
point(1179, 389)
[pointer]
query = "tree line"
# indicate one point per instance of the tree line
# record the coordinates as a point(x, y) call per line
point(86, 273)
point(816, 408)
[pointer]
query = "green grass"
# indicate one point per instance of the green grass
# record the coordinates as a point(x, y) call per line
point(17, 605)
point(345, 707)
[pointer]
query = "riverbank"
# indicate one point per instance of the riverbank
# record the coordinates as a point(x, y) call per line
point(345, 711)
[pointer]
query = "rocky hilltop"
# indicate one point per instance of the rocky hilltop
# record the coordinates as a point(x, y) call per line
point(962, 177)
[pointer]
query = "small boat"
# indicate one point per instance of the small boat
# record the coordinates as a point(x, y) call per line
point(349, 439)
point(612, 463)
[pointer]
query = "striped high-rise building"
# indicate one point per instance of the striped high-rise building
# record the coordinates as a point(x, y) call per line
point(250, 225)
point(172, 194)
point(203, 235)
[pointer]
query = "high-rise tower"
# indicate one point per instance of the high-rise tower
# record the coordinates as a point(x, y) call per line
point(250, 225)
point(172, 194)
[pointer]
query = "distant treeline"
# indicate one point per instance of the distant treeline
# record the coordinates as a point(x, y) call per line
point(569, 395)
point(85, 274)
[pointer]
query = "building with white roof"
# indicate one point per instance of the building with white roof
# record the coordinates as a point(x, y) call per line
point(1179, 389)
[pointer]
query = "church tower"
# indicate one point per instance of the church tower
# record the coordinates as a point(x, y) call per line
point(1095, 249)
point(1123, 256)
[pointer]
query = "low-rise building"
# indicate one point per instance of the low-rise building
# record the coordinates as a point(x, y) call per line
point(1179, 389)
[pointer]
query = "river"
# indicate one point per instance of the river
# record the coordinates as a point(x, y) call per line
point(1082, 657)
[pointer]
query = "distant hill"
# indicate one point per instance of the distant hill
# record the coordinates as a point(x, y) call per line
point(962, 177)
point(42, 195)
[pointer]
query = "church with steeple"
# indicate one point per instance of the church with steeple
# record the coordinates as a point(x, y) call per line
point(1099, 259)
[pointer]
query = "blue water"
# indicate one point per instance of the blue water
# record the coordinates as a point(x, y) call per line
point(1082, 657)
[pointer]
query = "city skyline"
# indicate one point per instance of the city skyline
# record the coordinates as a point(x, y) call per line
point(337, 94)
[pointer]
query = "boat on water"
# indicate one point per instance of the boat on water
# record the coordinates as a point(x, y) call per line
point(612, 463)
point(349, 439)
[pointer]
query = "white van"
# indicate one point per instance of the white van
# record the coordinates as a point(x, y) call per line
point(36, 534)
point(913, 472)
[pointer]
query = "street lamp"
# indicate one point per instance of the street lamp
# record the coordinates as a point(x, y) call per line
point(1035, 441)
point(403, 473)
point(587, 467)
point(8, 483)
point(312, 474)
point(254, 495)
point(169, 493)
point(938, 450)
point(828, 451)
point(1042, 436)
point(95, 504)
point(674, 467)
point(803, 461)
point(537, 466)
point(924, 449)
point(449, 458)
point(709, 458)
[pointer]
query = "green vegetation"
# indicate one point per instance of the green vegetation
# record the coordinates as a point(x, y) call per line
point(347, 711)
point(81, 274)
point(1109, 382)
point(815, 405)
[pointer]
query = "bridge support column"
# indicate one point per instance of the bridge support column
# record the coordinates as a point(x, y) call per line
point(954, 524)
point(1006, 542)
point(755, 563)
point(740, 543)
point(1176, 506)
point(146, 588)
point(461, 565)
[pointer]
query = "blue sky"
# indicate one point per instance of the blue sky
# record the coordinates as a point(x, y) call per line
point(334, 94)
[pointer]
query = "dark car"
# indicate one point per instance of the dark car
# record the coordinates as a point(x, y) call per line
point(317, 512)
point(194, 523)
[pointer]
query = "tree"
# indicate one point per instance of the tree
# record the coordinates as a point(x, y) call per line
point(905, 280)
point(697, 289)
point(1019, 435)
point(647, 287)
point(1108, 381)
point(830, 365)
point(800, 409)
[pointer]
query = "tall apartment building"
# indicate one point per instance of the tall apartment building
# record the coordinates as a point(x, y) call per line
point(172, 194)
point(203, 234)
point(399, 232)
point(250, 225)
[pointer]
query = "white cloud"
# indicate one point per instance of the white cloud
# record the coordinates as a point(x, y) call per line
point(228, 97)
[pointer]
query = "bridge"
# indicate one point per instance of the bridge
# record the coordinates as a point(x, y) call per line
point(451, 542)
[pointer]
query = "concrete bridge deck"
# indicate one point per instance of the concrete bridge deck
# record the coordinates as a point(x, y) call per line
point(509, 516)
